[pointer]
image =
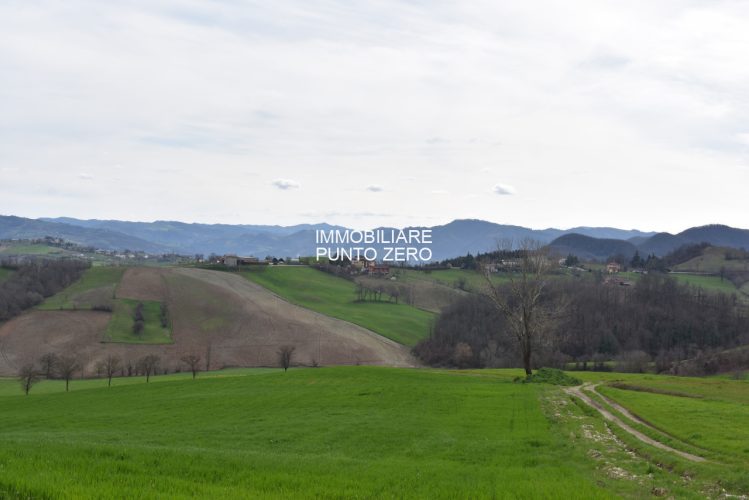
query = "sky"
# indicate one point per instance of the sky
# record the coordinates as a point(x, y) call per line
point(541, 113)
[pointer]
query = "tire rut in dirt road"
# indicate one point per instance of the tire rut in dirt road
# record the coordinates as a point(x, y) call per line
point(578, 393)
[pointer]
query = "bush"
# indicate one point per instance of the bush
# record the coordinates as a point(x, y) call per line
point(552, 376)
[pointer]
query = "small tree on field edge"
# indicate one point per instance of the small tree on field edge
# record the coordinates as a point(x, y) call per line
point(193, 363)
point(285, 353)
point(110, 366)
point(67, 367)
point(148, 365)
point(28, 375)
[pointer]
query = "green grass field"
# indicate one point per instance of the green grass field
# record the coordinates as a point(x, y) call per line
point(360, 432)
point(26, 249)
point(474, 281)
point(120, 327)
point(336, 297)
point(708, 415)
point(332, 433)
point(102, 279)
point(707, 283)
point(712, 260)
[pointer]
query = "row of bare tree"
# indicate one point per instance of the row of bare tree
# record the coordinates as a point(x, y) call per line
point(66, 367)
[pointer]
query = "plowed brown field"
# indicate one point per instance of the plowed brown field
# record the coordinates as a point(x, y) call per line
point(238, 322)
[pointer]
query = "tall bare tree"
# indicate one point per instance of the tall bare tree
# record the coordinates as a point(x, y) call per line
point(193, 363)
point(521, 299)
point(47, 362)
point(110, 366)
point(67, 367)
point(285, 353)
point(148, 365)
point(28, 375)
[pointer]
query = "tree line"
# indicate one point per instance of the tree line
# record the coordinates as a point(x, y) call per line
point(51, 366)
point(34, 280)
point(657, 320)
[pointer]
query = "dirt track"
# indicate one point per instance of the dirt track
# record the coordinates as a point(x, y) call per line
point(578, 392)
point(218, 315)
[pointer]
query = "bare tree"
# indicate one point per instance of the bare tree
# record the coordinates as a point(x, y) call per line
point(67, 367)
point(285, 353)
point(28, 375)
point(193, 363)
point(521, 299)
point(148, 365)
point(47, 363)
point(110, 366)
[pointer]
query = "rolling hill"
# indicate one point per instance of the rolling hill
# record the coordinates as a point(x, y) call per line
point(660, 244)
point(589, 248)
point(224, 318)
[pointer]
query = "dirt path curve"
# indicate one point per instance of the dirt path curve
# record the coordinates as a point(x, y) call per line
point(578, 392)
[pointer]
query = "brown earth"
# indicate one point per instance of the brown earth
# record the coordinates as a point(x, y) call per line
point(143, 283)
point(216, 315)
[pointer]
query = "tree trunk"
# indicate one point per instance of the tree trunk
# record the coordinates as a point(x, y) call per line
point(527, 362)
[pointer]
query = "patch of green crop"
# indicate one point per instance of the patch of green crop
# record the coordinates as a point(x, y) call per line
point(94, 288)
point(120, 327)
point(336, 297)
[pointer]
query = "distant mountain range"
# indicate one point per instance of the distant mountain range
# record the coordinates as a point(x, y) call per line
point(450, 240)
point(660, 244)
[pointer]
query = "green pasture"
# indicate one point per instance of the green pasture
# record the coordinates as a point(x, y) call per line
point(120, 327)
point(102, 279)
point(313, 433)
point(333, 296)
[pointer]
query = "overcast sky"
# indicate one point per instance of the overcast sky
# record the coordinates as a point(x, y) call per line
point(544, 114)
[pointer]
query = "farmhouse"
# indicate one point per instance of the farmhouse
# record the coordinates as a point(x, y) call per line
point(234, 261)
point(379, 269)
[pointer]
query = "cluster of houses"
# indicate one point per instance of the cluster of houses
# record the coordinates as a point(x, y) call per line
point(236, 261)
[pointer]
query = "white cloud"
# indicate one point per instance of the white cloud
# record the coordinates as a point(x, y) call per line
point(375, 188)
point(285, 184)
point(503, 189)
point(85, 177)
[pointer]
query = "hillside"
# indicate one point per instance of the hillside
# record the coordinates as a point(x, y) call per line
point(336, 297)
point(596, 248)
point(12, 227)
point(718, 235)
point(217, 315)
point(661, 244)
point(589, 248)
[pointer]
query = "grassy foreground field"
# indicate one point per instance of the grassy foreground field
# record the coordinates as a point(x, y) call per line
point(352, 432)
point(337, 432)
point(335, 297)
